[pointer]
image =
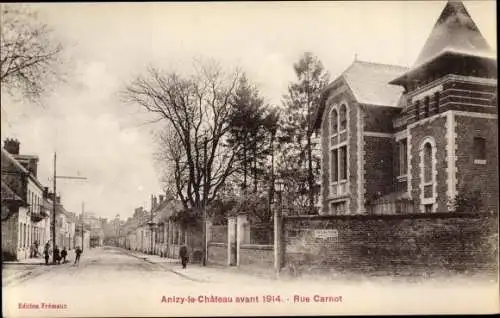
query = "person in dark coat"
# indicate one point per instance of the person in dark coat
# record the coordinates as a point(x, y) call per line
point(183, 253)
point(46, 253)
point(64, 253)
point(78, 252)
point(57, 255)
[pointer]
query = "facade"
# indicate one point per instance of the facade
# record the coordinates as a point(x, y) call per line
point(66, 227)
point(397, 139)
point(25, 219)
point(159, 232)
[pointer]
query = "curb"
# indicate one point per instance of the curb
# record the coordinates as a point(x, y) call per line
point(145, 258)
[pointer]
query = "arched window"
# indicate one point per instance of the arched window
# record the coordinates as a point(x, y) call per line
point(427, 163)
point(428, 181)
point(334, 122)
point(343, 118)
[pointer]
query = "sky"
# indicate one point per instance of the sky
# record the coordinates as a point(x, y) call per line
point(97, 136)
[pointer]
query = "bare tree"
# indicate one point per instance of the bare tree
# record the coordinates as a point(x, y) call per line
point(197, 110)
point(29, 54)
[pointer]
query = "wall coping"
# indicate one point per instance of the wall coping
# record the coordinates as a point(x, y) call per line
point(436, 215)
point(217, 244)
point(257, 246)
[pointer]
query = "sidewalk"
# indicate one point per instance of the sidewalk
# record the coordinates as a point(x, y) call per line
point(17, 270)
point(211, 273)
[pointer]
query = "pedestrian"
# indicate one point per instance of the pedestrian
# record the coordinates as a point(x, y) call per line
point(183, 253)
point(57, 256)
point(36, 249)
point(64, 253)
point(46, 253)
point(78, 252)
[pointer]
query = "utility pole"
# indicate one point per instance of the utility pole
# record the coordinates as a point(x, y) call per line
point(83, 212)
point(54, 203)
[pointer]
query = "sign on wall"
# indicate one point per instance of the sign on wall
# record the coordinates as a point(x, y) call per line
point(326, 234)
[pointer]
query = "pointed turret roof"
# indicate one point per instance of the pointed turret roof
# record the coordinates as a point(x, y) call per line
point(454, 31)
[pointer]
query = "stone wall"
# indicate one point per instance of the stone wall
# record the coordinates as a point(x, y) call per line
point(392, 245)
point(257, 256)
point(217, 253)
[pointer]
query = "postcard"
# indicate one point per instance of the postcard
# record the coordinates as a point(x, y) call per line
point(249, 158)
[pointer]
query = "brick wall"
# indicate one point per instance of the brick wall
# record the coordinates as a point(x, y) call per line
point(379, 118)
point(378, 166)
point(217, 253)
point(435, 128)
point(352, 154)
point(352, 108)
point(472, 176)
point(393, 245)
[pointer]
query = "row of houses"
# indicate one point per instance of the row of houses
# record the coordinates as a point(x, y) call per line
point(160, 231)
point(27, 209)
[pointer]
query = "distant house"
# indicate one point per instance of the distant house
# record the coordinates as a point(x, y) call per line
point(169, 232)
point(398, 139)
point(25, 219)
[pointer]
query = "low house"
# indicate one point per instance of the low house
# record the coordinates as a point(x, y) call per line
point(24, 217)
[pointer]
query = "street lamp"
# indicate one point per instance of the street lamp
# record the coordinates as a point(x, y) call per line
point(280, 184)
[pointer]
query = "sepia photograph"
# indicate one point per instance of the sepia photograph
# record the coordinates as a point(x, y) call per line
point(247, 158)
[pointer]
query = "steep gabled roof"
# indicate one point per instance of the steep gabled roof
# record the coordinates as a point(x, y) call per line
point(456, 32)
point(369, 83)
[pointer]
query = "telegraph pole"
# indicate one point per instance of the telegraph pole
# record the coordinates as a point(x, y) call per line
point(83, 211)
point(54, 203)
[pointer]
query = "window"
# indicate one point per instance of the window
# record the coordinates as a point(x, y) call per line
point(402, 162)
point(479, 149)
point(343, 163)
point(334, 122)
point(426, 106)
point(417, 110)
point(436, 100)
point(343, 117)
point(334, 165)
point(427, 163)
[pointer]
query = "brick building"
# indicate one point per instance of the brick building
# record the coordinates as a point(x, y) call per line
point(398, 139)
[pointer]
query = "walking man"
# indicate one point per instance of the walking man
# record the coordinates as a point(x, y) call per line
point(57, 256)
point(46, 253)
point(183, 253)
point(64, 253)
point(78, 252)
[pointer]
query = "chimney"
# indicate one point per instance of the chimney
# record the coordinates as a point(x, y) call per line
point(161, 198)
point(11, 146)
point(58, 199)
point(153, 202)
point(46, 192)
